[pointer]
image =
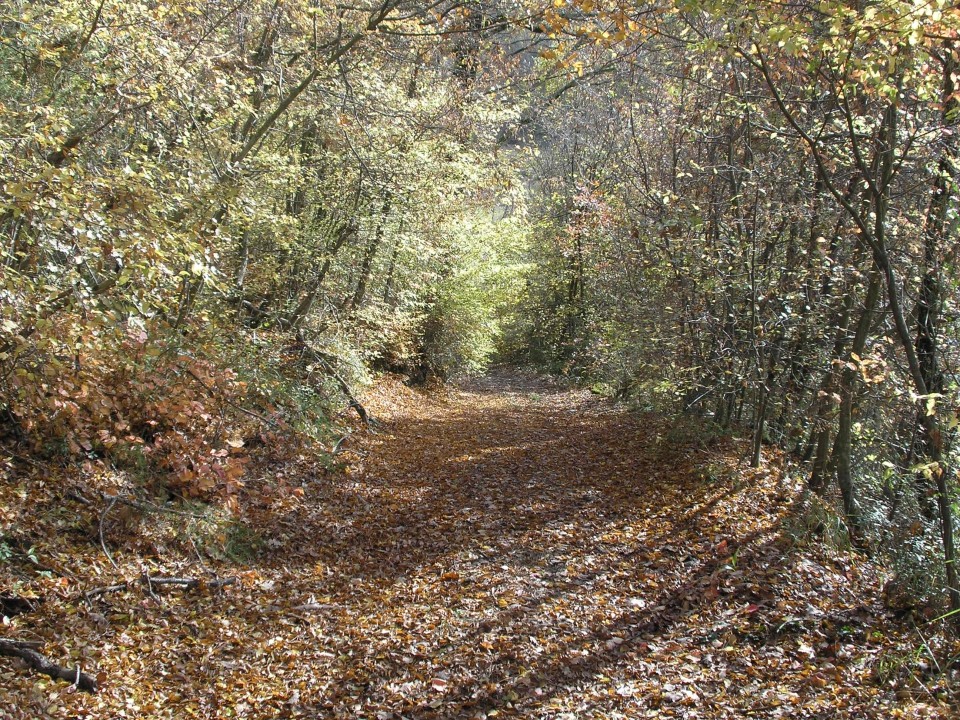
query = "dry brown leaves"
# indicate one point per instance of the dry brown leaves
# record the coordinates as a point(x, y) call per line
point(510, 549)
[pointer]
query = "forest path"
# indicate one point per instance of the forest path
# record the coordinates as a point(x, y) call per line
point(508, 549)
point(513, 548)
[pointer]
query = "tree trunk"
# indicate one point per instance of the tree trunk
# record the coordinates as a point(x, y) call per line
point(848, 383)
point(928, 317)
point(764, 391)
point(366, 265)
point(818, 481)
point(295, 317)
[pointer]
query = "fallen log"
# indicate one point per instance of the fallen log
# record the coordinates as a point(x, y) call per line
point(42, 664)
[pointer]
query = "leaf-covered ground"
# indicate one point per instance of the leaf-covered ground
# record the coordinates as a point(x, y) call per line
point(508, 549)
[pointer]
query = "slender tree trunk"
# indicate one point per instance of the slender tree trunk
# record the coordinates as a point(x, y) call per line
point(296, 316)
point(848, 382)
point(827, 400)
point(928, 317)
point(241, 277)
point(818, 480)
point(764, 391)
point(366, 265)
point(391, 271)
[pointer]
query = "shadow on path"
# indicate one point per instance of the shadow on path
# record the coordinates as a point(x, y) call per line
point(520, 548)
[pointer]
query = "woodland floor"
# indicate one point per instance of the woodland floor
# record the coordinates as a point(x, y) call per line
point(505, 549)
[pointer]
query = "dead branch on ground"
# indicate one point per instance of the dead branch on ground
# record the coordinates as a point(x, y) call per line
point(27, 652)
point(150, 583)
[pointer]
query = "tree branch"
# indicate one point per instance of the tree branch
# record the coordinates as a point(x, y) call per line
point(42, 664)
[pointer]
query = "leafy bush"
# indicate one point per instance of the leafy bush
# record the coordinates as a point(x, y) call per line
point(476, 289)
point(128, 393)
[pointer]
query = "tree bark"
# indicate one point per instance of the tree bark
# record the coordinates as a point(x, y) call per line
point(366, 265)
point(296, 316)
point(928, 317)
point(848, 382)
point(44, 665)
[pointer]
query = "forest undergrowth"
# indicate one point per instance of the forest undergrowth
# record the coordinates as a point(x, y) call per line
point(506, 548)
